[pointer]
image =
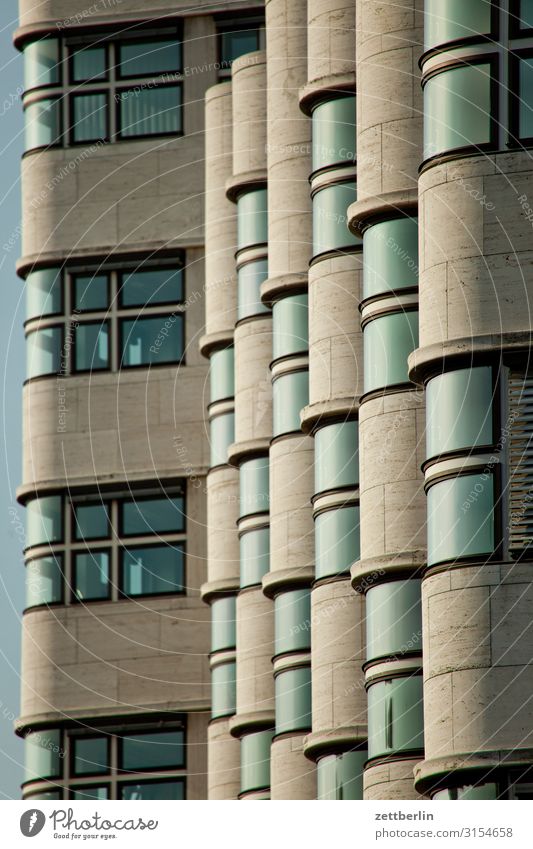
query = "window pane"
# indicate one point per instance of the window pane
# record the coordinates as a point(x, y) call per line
point(43, 292)
point(150, 341)
point(448, 20)
point(41, 63)
point(223, 625)
point(43, 351)
point(457, 109)
point(150, 112)
point(153, 516)
point(526, 14)
point(459, 410)
point(162, 790)
point(526, 98)
point(293, 700)
point(254, 482)
point(221, 375)
point(337, 456)
point(484, 791)
point(391, 256)
point(90, 755)
point(44, 581)
point(223, 690)
point(460, 518)
point(44, 520)
point(91, 575)
point(330, 218)
point(388, 341)
point(289, 329)
point(336, 541)
point(395, 716)
point(91, 346)
point(292, 614)
point(393, 619)
point(42, 754)
point(221, 436)
point(252, 218)
point(236, 43)
point(156, 750)
point(255, 556)
point(91, 521)
point(334, 136)
point(48, 795)
point(255, 760)
point(152, 286)
point(340, 777)
point(91, 292)
point(147, 58)
point(89, 117)
point(42, 123)
point(249, 279)
point(154, 570)
point(290, 394)
point(88, 791)
point(88, 63)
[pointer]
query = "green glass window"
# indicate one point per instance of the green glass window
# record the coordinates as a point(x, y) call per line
point(41, 63)
point(90, 755)
point(525, 90)
point(153, 570)
point(89, 117)
point(391, 256)
point(43, 351)
point(44, 520)
point(255, 761)
point(43, 754)
point(222, 371)
point(149, 58)
point(483, 791)
point(293, 699)
point(252, 218)
point(448, 20)
point(155, 750)
point(91, 575)
point(221, 436)
point(44, 581)
point(91, 521)
point(249, 279)
point(336, 541)
point(88, 64)
point(388, 341)
point(91, 341)
point(461, 518)
point(292, 616)
point(254, 483)
point(150, 111)
point(290, 394)
point(90, 791)
point(526, 14)
point(337, 456)
point(91, 292)
point(152, 286)
point(459, 410)
point(223, 690)
point(457, 109)
point(152, 341)
point(43, 292)
point(42, 123)
point(237, 42)
point(289, 326)
point(254, 556)
point(152, 515)
point(395, 716)
point(155, 790)
point(334, 135)
point(330, 218)
point(47, 796)
point(393, 619)
point(341, 776)
point(223, 624)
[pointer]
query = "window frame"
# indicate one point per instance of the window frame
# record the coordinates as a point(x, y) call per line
point(121, 551)
point(121, 770)
point(73, 505)
point(174, 35)
point(73, 277)
point(71, 52)
point(75, 326)
point(122, 274)
point(139, 317)
point(164, 497)
point(72, 755)
point(74, 600)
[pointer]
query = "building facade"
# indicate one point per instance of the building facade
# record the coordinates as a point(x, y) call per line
point(278, 418)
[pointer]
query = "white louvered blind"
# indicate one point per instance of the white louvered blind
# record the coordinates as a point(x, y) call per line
point(520, 462)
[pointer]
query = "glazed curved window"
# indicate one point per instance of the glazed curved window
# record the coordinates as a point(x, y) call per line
point(44, 520)
point(390, 256)
point(43, 292)
point(42, 754)
point(337, 456)
point(254, 483)
point(293, 700)
point(289, 326)
point(483, 791)
point(461, 518)
point(458, 109)
point(223, 624)
point(221, 375)
point(41, 63)
point(44, 581)
point(47, 796)
point(153, 570)
point(252, 218)
point(340, 777)
point(221, 436)
point(459, 410)
point(255, 761)
point(223, 690)
point(330, 218)
point(448, 20)
point(249, 279)
point(156, 790)
point(290, 394)
point(254, 556)
point(336, 541)
point(395, 716)
point(393, 619)
point(334, 135)
point(388, 341)
point(42, 123)
point(292, 616)
point(43, 351)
